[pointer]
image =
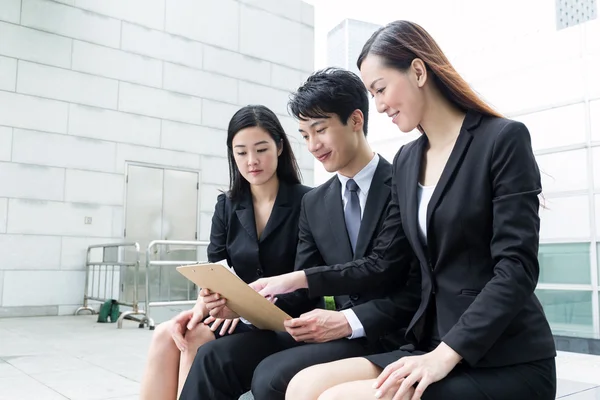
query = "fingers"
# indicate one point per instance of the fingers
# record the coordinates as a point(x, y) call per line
point(205, 292)
point(259, 284)
point(406, 396)
point(406, 388)
point(183, 317)
point(224, 327)
point(266, 292)
point(306, 337)
point(216, 304)
point(208, 320)
point(423, 384)
point(295, 323)
point(387, 371)
point(216, 324)
point(216, 312)
point(234, 325)
point(196, 318)
point(301, 331)
point(212, 297)
point(177, 335)
point(395, 377)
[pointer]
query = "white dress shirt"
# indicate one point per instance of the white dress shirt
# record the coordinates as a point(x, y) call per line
point(424, 194)
point(363, 179)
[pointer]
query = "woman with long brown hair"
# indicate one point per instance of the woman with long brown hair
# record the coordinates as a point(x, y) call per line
point(465, 200)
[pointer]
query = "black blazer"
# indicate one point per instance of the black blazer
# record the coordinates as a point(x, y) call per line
point(233, 234)
point(481, 267)
point(323, 240)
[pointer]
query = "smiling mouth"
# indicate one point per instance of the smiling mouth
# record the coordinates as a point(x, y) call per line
point(393, 117)
point(323, 157)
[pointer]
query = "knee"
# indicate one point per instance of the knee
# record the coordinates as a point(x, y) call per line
point(302, 387)
point(198, 336)
point(162, 334)
point(264, 385)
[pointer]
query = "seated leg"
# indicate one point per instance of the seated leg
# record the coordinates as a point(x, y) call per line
point(199, 336)
point(312, 382)
point(162, 366)
point(274, 373)
point(223, 368)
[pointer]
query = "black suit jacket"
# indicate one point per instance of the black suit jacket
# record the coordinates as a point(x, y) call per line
point(481, 267)
point(233, 234)
point(323, 240)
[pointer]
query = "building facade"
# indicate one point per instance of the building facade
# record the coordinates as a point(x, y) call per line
point(113, 119)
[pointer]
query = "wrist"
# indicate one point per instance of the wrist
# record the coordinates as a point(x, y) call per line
point(299, 280)
point(448, 356)
point(345, 324)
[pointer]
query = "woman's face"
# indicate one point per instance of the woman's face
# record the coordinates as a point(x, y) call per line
point(397, 93)
point(256, 155)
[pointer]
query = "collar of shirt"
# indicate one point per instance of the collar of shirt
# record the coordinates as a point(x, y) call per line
point(363, 179)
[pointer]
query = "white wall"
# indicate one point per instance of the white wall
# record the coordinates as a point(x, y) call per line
point(87, 85)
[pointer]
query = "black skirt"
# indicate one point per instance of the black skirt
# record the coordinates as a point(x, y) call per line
point(527, 381)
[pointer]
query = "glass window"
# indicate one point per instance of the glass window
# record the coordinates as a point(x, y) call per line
point(565, 218)
point(564, 171)
point(567, 263)
point(568, 311)
point(556, 127)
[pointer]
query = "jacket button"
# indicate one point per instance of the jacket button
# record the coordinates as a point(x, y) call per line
point(259, 273)
point(354, 297)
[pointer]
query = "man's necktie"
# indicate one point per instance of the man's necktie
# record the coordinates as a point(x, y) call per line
point(352, 212)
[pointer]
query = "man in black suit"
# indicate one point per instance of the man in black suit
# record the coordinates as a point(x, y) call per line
point(338, 223)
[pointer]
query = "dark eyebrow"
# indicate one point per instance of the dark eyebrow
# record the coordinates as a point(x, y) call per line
point(317, 122)
point(374, 82)
point(256, 144)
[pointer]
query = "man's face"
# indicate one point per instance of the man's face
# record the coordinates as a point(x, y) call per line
point(330, 141)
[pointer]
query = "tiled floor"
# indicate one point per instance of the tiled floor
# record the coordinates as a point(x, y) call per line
point(58, 358)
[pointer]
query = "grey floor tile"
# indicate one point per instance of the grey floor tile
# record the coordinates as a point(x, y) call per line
point(7, 370)
point(92, 383)
point(26, 388)
point(566, 387)
point(48, 363)
point(591, 394)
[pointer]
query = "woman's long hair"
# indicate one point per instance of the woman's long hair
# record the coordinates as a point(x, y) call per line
point(260, 116)
point(400, 42)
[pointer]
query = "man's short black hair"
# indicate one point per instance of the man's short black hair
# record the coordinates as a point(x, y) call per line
point(330, 91)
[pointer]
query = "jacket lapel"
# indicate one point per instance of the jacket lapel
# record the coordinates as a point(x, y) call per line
point(377, 200)
point(335, 215)
point(456, 156)
point(245, 214)
point(412, 207)
point(281, 210)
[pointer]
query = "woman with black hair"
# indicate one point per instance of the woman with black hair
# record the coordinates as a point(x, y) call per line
point(254, 228)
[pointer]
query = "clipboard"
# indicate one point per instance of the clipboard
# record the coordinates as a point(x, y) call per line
point(241, 298)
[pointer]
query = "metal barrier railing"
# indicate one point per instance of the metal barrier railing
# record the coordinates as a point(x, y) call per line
point(97, 278)
point(152, 249)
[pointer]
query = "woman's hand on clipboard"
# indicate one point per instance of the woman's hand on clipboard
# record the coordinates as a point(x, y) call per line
point(217, 305)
